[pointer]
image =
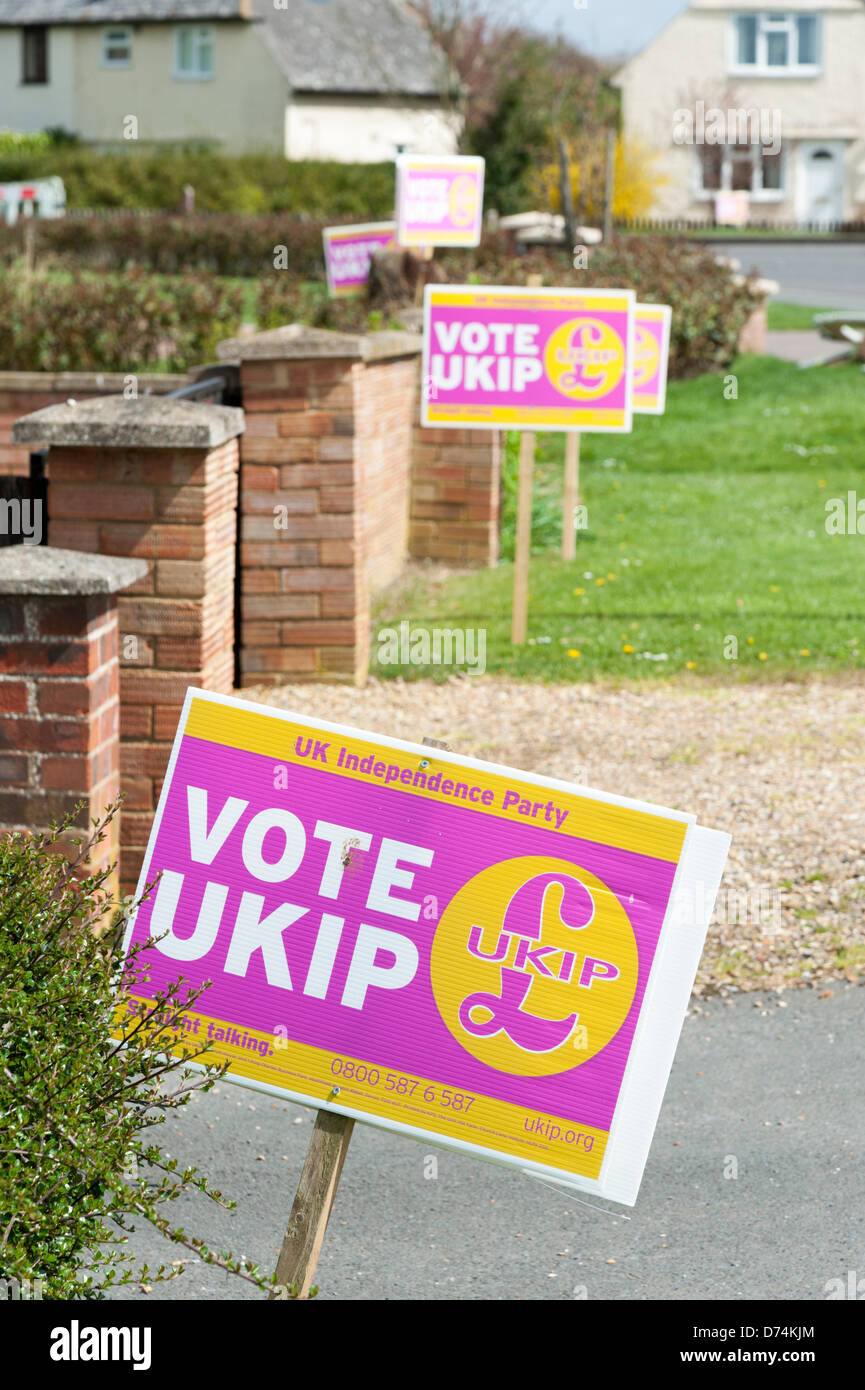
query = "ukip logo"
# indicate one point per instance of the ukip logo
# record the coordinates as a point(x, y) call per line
point(534, 966)
point(585, 359)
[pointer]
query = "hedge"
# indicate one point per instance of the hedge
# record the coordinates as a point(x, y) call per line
point(83, 322)
point(236, 244)
point(154, 179)
point(709, 307)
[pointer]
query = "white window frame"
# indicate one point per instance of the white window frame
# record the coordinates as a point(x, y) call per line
point(773, 22)
point(757, 194)
point(202, 33)
point(112, 30)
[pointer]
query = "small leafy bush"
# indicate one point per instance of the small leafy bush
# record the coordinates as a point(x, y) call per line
point(86, 322)
point(76, 1107)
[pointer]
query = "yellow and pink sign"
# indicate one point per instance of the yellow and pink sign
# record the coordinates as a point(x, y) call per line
point(348, 253)
point(534, 359)
point(439, 200)
point(651, 357)
point(446, 948)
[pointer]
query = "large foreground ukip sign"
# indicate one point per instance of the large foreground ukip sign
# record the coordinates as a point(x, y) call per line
point(450, 949)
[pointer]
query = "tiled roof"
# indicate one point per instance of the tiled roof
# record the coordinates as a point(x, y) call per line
point(365, 46)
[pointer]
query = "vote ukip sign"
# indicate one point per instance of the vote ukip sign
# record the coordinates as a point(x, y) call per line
point(514, 358)
point(439, 200)
point(446, 948)
point(651, 356)
point(348, 252)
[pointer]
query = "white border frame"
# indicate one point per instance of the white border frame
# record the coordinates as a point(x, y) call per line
point(667, 315)
point(413, 240)
point(665, 1001)
point(523, 291)
point(328, 234)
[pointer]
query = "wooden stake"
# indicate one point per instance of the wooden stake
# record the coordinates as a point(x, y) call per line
point(313, 1202)
point(572, 494)
point(519, 623)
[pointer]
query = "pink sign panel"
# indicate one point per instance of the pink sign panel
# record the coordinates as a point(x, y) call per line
point(440, 200)
point(651, 357)
point(348, 252)
point(537, 359)
point(440, 946)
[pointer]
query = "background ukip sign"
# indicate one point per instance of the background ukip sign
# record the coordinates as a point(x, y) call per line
point(449, 949)
point(439, 200)
point(651, 357)
point(534, 359)
point(348, 252)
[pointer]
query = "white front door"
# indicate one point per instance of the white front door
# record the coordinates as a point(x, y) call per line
point(821, 181)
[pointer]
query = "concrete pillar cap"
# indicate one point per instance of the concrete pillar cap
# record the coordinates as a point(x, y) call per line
point(29, 570)
point(145, 422)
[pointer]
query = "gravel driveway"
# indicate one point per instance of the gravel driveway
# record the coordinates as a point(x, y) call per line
point(779, 766)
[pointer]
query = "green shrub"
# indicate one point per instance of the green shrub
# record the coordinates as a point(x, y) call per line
point(76, 1107)
point(141, 177)
point(220, 243)
point(282, 299)
point(85, 322)
point(709, 307)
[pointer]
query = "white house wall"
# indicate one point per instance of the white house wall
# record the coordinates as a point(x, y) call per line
point(240, 107)
point(37, 106)
point(366, 130)
point(688, 62)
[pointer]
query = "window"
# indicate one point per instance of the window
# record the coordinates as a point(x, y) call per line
point(193, 52)
point(116, 48)
point(753, 169)
point(34, 54)
point(776, 43)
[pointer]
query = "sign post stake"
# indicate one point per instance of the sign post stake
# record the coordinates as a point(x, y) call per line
point(572, 494)
point(313, 1202)
point(519, 623)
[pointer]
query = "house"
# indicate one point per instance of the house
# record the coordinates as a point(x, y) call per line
point(350, 80)
point(761, 99)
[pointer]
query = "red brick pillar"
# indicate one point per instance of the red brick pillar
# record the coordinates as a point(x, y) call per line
point(59, 700)
point(324, 494)
point(155, 479)
point(456, 496)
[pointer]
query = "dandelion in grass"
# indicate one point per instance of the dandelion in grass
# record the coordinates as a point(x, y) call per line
point(763, 656)
point(574, 653)
point(751, 641)
point(600, 582)
point(579, 592)
point(627, 648)
point(692, 665)
point(804, 652)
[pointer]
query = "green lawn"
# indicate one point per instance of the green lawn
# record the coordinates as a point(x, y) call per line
point(783, 316)
point(706, 524)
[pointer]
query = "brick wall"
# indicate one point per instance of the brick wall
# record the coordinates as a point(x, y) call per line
point(23, 392)
point(59, 700)
point(323, 496)
point(386, 407)
point(172, 502)
point(456, 496)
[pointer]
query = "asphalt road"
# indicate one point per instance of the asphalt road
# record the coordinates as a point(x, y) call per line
point(774, 1082)
point(830, 276)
